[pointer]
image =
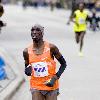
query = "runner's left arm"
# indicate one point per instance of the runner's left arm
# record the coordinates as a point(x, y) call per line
point(56, 53)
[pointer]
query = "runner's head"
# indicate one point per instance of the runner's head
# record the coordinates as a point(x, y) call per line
point(37, 32)
point(81, 5)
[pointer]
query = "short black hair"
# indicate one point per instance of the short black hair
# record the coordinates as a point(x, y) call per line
point(38, 26)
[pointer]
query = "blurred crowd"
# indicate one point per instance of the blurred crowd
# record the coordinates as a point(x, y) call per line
point(90, 4)
point(43, 3)
point(93, 4)
point(55, 3)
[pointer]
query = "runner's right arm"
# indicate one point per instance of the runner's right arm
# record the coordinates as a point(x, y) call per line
point(72, 19)
point(28, 68)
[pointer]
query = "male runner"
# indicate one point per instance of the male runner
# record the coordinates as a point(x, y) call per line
point(80, 18)
point(41, 66)
point(74, 8)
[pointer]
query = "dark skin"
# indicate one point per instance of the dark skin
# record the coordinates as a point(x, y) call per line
point(81, 8)
point(38, 49)
point(1, 9)
point(79, 36)
point(74, 7)
point(1, 13)
point(38, 43)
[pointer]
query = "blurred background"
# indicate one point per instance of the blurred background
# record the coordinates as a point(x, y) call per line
point(81, 79)
point(57, 3)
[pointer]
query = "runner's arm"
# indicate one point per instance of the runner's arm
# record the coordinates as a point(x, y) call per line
point(28, 68)
point(72, 19)
point(55, 53)
point(25, 56)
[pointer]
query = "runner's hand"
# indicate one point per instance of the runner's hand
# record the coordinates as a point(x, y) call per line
point(28, 70)
point(51, 81)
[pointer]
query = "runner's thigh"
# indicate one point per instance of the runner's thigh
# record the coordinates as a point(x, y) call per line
point(37, 96)
point(52, 95)
point(82, 33)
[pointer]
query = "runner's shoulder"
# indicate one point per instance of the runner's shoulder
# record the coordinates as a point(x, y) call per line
point(76, 11)
point(53, 46)
point(25, 50)
point(54, 49)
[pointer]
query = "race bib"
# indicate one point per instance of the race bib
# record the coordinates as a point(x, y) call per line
point(40, 69)
point(81, 21)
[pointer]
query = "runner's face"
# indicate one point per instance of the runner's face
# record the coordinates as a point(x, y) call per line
point(36, 34)
point(81, 6)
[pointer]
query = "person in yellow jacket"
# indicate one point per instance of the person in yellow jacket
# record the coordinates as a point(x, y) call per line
point(40, 65)
point(79, 18)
